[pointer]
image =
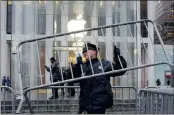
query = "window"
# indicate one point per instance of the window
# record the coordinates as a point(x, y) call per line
point(102, 50)
point(56, 53)
point(88, 9)
point(143, 12)
point(41, 18)
point(27, 17)
point(130, 17)
point(128, 53)
point(116, 17)
point(41, 48)
point(9, 17)
point(24, 14)
point(101, 7)
point(56, 17)
point(81, 10)
point(31, 66)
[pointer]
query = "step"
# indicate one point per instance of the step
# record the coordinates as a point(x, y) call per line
point(58, 105)
point(64, 101)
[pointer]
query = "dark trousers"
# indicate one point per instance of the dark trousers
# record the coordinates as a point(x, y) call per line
point(71, 91)
point(94, 111)
point(97, 112)
point(55, 90)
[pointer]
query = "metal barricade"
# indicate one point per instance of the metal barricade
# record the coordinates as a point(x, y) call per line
point(158, 100)
point(7, 98)
point(124, 101)
point(134, 37)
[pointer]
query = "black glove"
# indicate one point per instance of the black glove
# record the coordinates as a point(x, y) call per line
point(116, 51)
point(79, 60)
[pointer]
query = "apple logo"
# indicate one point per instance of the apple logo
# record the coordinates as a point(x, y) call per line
point(75, 25)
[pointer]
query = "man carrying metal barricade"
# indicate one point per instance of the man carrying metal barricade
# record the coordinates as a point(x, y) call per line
point(95, 93)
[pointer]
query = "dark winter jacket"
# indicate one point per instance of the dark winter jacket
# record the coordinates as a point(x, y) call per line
point(96, 92)
point(55, 71)
point(4, 81)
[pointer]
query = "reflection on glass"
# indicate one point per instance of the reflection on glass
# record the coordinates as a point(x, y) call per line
point(56, 17)
point(79, 14)
point(41, 18)
point(28, 26)
point(160, 70)
point(131, 61)
point(116, 17)
point(130, 17)
point(101, 8)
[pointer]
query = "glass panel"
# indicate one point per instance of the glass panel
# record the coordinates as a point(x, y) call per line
point(130, 17)
point(143, 10)
point(10, 8)
point(57, 53)
point(56, 17)
point(41, 45)
point(160, 70)
point(123, 11)
point(41, 17)
point(101, 8)
point(28, 10)
point(116, 17)
point(102, 50)
point(80, 13)
point(129, 79)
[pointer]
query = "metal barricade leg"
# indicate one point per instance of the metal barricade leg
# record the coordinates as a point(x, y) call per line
point(6, 106)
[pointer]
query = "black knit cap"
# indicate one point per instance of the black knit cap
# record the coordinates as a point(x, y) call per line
point(90, 47)
point(52, 58)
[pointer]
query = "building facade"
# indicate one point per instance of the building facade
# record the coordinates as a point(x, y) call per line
point(22, 20)
point(164, 13)
point(164, 18)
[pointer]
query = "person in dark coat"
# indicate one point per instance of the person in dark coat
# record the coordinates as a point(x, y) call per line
point(8, 82)
point(55, 76)
point(95, 93)
point(168, 82)
point(4, 80)
point(158, 82)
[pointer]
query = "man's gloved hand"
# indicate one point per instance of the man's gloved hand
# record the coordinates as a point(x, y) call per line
point(116, 51)
point(79, 60)
point(46, 67)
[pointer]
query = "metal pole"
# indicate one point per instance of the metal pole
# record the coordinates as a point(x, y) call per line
point(0, 51)
point(55, 30)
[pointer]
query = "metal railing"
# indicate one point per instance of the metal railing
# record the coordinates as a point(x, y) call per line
point(156, 101)
point(124, 101)
point(137, 41)
point(7, 98)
